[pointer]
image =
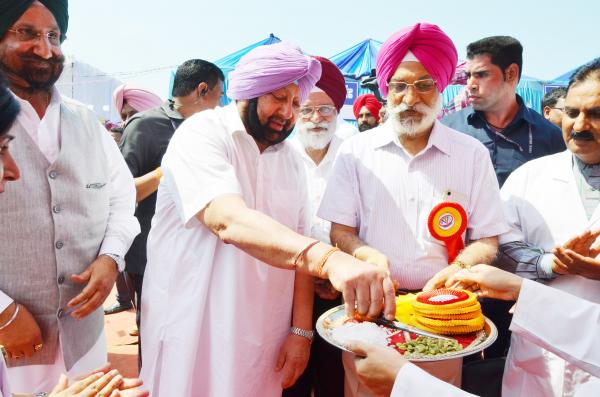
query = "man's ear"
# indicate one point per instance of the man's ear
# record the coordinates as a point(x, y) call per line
point(512, 73)
point(202, 89)
point(546, 111)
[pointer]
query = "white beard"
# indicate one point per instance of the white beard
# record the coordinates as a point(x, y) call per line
point(315, 140)
point(411, 127)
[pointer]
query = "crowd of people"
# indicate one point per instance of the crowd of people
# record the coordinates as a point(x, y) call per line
point(230, 229)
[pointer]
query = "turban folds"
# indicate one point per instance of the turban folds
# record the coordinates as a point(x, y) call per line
point(370, 102)
point(270, 67)
point(11, 11)
point(430, 45)
point(137, 97)
point(332, 82)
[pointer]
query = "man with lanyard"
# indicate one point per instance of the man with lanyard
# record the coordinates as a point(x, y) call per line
point(198, 85)
point(548, 202)
point(222, 312)
point(386, 182)
point(70, 218)
point(498, 117)
point(316, 138)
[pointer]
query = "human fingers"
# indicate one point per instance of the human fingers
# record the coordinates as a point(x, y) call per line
point(84, 295)
point(82, 277)
point(281, 358)
point(433, 283)
point(112, 385)
point(360, 349)
point(62, 384)
point(561, 255)
point(362, 298)
point(130, 383)
point(287, 374)
point(80, 385)
point(389, 299)
point(95, 387)
point(349, 295)
point(88, 306)
point(376, 293)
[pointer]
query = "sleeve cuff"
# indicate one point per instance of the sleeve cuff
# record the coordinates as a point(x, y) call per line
point(544, 267)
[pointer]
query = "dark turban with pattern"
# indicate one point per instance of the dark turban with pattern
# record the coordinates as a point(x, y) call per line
point(11, 11)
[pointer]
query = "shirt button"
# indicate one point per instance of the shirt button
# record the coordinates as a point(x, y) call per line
point(56, 209)
point(61, 279)
point(59, 244)
point(53, 174)
point(60, 313)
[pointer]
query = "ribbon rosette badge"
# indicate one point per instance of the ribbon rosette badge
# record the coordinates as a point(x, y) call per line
point(447, 222)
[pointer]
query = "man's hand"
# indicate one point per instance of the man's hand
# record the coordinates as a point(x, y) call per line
point(583, 244)
point(293, 358)
point(440, 278)
point(100, 277)
point(366, 288)
point(371, 255)
point(21, 336)
point(99, 384)
point(376, 366)
point(567, 261)
point(490, 282)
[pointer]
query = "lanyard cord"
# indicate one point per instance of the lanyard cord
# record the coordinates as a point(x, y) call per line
point(507, 139)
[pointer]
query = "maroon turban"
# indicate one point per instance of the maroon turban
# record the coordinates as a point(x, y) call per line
point(332, 82)
point(430, 45)
point(370, 102)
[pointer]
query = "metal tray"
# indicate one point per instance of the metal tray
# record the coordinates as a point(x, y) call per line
point(335, 314)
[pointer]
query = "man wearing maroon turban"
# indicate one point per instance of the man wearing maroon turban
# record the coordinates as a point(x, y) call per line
point(317, 141)
point(366, 111)
point(387, 181)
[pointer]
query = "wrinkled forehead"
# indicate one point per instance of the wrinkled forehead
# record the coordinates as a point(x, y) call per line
point(410, 70)
point(316, 98)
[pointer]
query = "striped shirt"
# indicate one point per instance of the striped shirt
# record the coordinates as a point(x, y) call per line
point(377, 187)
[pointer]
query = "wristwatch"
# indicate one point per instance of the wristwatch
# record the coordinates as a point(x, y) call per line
point(310, 335)
point(120, 261)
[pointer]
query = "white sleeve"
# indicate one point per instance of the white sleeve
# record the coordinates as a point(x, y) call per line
point(573, 335)
point(122, 225)
point(197, 167)
point(511, 194)
point(414, 382)
point(339, 204)
point(486, 218)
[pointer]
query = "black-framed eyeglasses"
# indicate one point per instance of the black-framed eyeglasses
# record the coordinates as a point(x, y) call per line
point(323, 110)
point(400, 87)
point(27, 34)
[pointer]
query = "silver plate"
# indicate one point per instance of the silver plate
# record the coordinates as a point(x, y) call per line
point(335, 315)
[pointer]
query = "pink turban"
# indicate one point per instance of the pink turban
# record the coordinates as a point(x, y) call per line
point(270, 67)
point(432, 47)
point(138, 98)
point(370, 102)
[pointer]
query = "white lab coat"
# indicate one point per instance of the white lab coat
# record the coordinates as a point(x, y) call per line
point(543, 208)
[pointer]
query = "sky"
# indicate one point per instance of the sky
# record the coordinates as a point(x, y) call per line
point(140, 41)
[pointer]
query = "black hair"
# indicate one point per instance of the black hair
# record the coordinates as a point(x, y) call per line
point(553, 96)
point(589, 70)
point(503, 51)
point(193, 72)
point(9, 108)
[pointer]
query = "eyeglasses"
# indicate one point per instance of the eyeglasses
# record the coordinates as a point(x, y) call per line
point(26, 34)
point(400, 87)
point(323, 110)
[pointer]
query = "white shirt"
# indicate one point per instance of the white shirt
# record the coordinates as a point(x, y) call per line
point(120, 231)
point(378, 188)
point(572, 336)
point(317, 176)
point(345, 129)
point(213, 317)
point(543, 208)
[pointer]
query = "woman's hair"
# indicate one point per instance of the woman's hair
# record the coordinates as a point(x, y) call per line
point(9, 107)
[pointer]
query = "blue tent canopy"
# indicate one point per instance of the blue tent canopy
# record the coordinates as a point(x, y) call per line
point(358, 60)
point(567, 76)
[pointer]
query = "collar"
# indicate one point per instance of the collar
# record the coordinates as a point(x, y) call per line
point(476, 117)
point(564, 172)
point(385, 134)
point(169, 108)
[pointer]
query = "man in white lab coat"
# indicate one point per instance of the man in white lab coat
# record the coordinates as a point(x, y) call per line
point(548, 201)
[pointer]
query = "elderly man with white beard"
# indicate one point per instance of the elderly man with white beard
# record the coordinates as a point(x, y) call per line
point(317, 139)
point(386, 182)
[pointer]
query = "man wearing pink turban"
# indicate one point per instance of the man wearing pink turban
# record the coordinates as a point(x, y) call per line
point(130, 100)
point(228, 287)
point(388, 180)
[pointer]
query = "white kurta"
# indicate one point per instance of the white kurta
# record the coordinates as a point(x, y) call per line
point(544, 209)
point(214, 318)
